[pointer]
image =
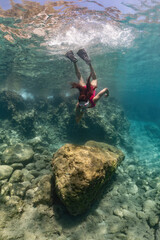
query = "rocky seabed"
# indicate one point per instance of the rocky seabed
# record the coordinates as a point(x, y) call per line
point(129, 207)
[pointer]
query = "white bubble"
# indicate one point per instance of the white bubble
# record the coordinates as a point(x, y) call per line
point(26, 95)
point(50, 97)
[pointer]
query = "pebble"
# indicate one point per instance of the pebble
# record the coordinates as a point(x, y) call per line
point(30, 193)
point(133, 189)
point(141, 215)
point(35, 141)
point(17, 166)
point(35, 173)
point(27, 175)
point(19, 189)
point(30, 166)
point(149, 205)
point(3, 181)
point(118, 212)
point(40, 165)
point(151, 193)
point(5, 189)
point(153, 220)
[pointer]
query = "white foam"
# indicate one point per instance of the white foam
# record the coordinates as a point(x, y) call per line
point(92, 33)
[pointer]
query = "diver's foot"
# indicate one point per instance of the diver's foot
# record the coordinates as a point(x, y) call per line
point(71, 56)
point(83, 54)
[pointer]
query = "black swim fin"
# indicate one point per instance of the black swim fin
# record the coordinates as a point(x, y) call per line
point(71, 56)
point(83, 54)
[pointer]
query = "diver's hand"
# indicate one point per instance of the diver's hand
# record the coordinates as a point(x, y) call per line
point(107, 93)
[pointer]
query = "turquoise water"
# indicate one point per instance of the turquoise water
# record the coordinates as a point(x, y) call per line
point(124, 49)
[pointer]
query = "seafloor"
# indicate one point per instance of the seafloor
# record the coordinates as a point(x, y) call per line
point(128, 208)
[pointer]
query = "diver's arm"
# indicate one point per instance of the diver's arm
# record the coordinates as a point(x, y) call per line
point(100, 94)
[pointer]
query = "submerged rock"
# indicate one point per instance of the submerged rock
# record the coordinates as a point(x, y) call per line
point(10, 104)
point(43, 192)
point(5, 172)
point(19, 153)
point(19, 189)
point(17, 165)
point(25, 122)
point(16, 176)
point(105, 123)
point(81, 171)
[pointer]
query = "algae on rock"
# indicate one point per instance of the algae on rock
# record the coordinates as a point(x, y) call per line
point(10, 104)
point(80, 172)
point(5, 172)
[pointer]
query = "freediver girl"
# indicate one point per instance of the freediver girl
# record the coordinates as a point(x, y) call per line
point(87, 97)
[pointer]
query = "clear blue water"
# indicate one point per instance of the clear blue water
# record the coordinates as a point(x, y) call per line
point(123, 46)
point(124, 51)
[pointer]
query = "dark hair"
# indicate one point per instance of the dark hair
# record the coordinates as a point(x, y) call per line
point(85, 92)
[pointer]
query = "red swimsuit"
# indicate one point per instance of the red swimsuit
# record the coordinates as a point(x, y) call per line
point(93, 95)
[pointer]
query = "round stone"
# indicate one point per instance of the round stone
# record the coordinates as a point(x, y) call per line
point(5, 171)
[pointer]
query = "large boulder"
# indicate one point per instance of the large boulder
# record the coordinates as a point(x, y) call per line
point(80, 172)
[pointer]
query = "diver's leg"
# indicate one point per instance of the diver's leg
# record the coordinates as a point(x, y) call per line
point(79, 76)
point(100, 94)
point(83, 54)
point(94, 77)
point(71, 56)
point(79, 114)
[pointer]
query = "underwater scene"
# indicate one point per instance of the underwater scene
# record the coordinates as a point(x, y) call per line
point(79, 164)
